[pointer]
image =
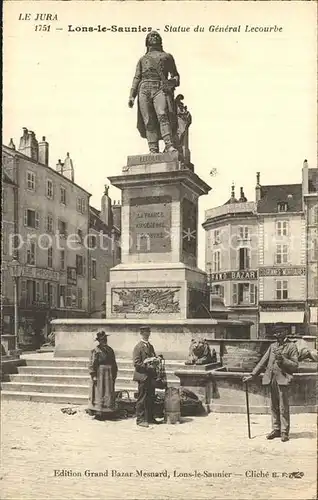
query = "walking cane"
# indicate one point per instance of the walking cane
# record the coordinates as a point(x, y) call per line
point(248, 411)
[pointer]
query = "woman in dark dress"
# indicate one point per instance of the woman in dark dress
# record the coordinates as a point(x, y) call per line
point(103, 371)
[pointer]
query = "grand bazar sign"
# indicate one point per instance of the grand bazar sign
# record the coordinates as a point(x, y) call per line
point(235, 275)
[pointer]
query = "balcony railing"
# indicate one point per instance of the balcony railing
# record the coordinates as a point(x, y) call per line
point(231, 208)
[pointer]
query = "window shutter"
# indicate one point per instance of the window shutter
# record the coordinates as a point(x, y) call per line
point(252, 293)
point(222, 291)
point(37, 291)
point(84, 266)
point(46, 292)
point(33, 251)
point(53, 295)
point(79, 297)
point(248, 258)
point(57, 300)
point(235, 290)
point(68, 296)
point(25, 218)
point(23, 288)
point(74, 297)
point(37, 220)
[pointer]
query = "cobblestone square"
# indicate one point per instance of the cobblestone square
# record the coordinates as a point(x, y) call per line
point(38, 439)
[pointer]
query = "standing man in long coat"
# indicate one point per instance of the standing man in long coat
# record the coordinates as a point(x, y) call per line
point(280, 361)
point(154, 82)
point(145, 375)
point(103, 371)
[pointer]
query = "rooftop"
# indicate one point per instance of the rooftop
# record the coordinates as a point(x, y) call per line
point(15, 153)
point(273, 196)
point(313, 180)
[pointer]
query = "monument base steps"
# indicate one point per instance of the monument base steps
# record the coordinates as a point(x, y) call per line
point(43, 378)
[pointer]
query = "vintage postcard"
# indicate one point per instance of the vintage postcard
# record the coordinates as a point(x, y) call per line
point(159, 289)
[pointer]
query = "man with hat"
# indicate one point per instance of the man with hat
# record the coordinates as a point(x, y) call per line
point(280, 361)
point(145, 375)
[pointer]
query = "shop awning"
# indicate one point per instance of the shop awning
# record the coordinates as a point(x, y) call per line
point(314, 315)
point(281, 317)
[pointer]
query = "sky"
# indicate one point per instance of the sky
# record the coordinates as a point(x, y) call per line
point(252, 95)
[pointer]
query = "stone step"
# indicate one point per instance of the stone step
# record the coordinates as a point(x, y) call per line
point(171, 365)
point(41, 397)
point(76, 371)
point(80, 362)
point(53, 370)
point(65, 380)
point(53, 393)
point(50, 379)
point(71, 379)
point(46, 388)
point(60, 388)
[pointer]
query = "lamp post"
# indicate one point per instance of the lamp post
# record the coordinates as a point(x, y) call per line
point(16, 271)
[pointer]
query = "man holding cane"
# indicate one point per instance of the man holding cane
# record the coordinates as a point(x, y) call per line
point(280, 361)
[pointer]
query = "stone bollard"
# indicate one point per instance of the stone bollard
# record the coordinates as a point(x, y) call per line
point(172, 410)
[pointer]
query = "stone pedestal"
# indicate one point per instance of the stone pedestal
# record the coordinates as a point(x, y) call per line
point(158, 276)
point(198, 379)
point(230, 392)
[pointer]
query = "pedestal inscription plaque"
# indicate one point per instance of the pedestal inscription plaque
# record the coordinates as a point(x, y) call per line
point(150, 224)
point(154, 300)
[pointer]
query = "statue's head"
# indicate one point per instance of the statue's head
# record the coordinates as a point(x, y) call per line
point(153, 40)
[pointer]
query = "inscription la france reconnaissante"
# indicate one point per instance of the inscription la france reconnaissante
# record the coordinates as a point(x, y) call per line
point(49, 17)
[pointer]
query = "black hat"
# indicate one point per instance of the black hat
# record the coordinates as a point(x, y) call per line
point(144, 329)
point(101, 335)
point(280, 327)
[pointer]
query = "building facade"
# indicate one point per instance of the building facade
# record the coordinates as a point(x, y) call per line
point(104, 253)
point(232, 257)
point(282, 258)
point(310, 204)
point(261, 255)
point(47, 225)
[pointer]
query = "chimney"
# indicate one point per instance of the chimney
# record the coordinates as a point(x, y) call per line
point(59, 167)
point(11, 144)
point(29, 145)
point(305, 187)
point(242, 196)
point(68, 168)
point(44, 152)
point(106, 208)
point(258, 187)
point(233, 199)
point(116, 209)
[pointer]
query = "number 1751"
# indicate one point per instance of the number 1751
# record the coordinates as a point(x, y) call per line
point(42, 27)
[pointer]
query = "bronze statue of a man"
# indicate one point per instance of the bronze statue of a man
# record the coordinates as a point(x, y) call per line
point(154, 83)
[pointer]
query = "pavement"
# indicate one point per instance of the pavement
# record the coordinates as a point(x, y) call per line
point(47, 454)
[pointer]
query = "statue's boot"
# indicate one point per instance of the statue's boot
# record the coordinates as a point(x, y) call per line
point(153, 147)
point(169, 147)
